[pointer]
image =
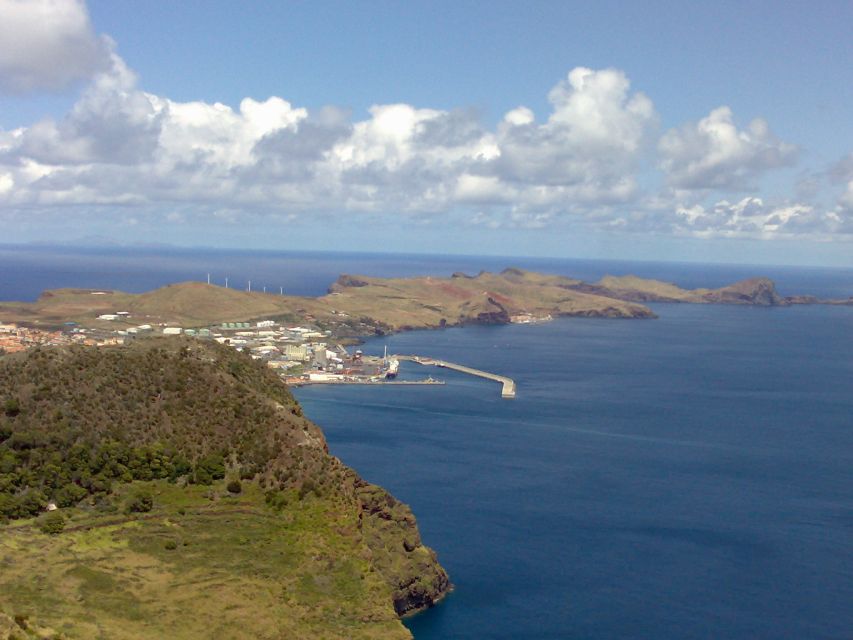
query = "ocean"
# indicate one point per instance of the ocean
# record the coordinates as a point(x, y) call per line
point(684, 477)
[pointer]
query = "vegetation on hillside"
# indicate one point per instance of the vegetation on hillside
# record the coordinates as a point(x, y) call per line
point(105, 433)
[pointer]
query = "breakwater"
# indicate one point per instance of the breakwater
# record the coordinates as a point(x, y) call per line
point(507, 384)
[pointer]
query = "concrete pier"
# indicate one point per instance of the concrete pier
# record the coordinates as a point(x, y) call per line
point(508, 384)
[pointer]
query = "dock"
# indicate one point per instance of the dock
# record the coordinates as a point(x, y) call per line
point(376, 383)
point(508, 384)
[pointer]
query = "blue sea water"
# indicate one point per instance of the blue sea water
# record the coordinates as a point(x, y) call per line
point(684, 477)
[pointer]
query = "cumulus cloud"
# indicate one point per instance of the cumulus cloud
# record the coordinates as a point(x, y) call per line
point(48, 44)
point(590, 144)
point(713, 153)
point(576, 165)
point(111, 123)
point(751, 216)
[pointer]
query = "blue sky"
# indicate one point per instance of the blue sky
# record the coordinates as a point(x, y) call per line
point(650, 130)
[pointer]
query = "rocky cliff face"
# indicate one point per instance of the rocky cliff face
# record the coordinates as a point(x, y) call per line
point(755, 291)
point(391, 533)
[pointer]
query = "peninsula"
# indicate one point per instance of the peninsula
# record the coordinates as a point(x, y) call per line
point(358, 306)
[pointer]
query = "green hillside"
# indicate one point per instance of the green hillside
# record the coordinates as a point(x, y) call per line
point(193, 496)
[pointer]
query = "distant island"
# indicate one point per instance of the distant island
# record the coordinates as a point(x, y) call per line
point(359, 306)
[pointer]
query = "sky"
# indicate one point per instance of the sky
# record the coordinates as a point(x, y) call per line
point(651, 130)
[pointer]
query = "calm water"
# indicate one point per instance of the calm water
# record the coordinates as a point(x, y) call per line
point(685, 477)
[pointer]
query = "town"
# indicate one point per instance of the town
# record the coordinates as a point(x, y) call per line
point(301, 355)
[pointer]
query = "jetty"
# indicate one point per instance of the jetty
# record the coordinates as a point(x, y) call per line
point(508, 384)
point(301, 382)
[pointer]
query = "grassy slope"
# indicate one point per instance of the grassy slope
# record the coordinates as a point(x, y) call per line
point(188, 303)
point(239, 570)
point(343, 554)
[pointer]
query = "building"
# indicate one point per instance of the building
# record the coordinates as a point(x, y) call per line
point(295, 352)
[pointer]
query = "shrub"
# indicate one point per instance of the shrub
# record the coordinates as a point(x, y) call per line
point(202, 476)
point(31, 503)
point(12, 407)
point(210, 468)
point(140, 501)
point(52, 523)
point(70, 494)
point(171, 545)
point(234, 486)
point(277, 500)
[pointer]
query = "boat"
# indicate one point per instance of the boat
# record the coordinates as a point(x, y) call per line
point(393, 368)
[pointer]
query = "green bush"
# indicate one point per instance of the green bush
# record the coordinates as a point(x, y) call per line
point(69, 495)
point(171, 545)
point(140, 501)
point(277, 500)
point(12, 407)
point(52, 523)
point(209, 468)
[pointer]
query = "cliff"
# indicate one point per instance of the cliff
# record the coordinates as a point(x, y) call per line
point(754, 291)
point(194, 495)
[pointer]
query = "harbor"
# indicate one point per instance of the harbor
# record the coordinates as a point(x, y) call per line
point(507, 384)
point(301, 382)
point(340, 367)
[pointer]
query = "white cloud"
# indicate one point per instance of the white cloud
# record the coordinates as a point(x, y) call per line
point(48, 44)
point(751, 216)
point(112, 122)
point(713, 153)
point(121, 146)
point(590, 145)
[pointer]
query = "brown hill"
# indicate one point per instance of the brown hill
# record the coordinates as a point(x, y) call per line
point(362, 305)
point(754, 291)
point(405, 303)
